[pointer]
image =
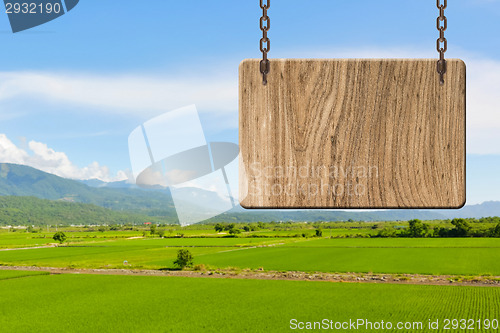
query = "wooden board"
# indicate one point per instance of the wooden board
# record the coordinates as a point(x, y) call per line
point(352, 133)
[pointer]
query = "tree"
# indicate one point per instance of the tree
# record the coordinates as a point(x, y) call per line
point(219, 227)
point(417, 229)
point(152, 228)
point(319, 232)
point(230, 226)
point(59, 237)
point(441, 232)
point(102, 229)
point(234, 231)
point(387, 232)
point(184, 259)
point(254, 227)
point(495, 232)
point(462, 228)
point(161, 233)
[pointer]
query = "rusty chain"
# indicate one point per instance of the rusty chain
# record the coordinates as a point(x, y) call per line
point(442, 43)
point(265, 43)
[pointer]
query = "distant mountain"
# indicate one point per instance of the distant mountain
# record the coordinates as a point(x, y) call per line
point(100, 184)
point(18, 180)
point(93, 182)
point(29, 211)
point(237, 215)
point(486, 209)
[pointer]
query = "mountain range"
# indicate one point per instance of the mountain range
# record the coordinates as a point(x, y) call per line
point(24, 181)
point(20, 180)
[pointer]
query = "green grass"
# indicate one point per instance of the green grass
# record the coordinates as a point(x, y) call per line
point(403, 243)
point(200, 242)
point(468, 261)
point(139, 253)
point(469, 256)
point(422, 256)
point(21, 238)
point(90, 303)
point(5, 275)
point(98, 257)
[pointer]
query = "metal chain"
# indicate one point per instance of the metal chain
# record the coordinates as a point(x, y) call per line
point(265, 43)
point(442, 43)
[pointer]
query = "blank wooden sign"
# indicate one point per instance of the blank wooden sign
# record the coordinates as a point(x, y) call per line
point(352, 134)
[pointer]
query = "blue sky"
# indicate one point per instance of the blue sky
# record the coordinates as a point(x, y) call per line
point(77, 86)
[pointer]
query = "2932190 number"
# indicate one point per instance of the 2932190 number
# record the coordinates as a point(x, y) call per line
point(32, 8)
point(470, 324)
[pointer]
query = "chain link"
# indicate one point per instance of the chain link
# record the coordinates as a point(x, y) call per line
point(265, 43)
point(442, 43)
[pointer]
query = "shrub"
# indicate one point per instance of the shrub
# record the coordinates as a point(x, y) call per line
point(417, 229)
point(184, 259)
point(230, 226)
point(234, 231)
point(495, 232)
point(59, 237)
point(462, 228)
point(200, 267)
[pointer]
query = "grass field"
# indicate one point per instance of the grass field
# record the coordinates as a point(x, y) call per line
point(423, 256)
point(467, 256)
point(139, 253)
point(23, 239)
point(91, 303)
point(6, 275)
point(39, 302)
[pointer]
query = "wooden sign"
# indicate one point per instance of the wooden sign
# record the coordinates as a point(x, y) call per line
point(352, 134)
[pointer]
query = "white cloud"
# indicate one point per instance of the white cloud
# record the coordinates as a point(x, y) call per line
point(40, 156)
point(123, 94)
point(145, 95)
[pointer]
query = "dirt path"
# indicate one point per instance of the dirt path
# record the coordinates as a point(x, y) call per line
point(29, 248)
point(415, 279)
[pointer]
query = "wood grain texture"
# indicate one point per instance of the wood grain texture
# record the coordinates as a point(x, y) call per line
point(352, 133)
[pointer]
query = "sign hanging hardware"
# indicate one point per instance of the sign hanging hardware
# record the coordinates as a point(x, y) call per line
point(352, 133)
point(265, 42)
point(442, 42)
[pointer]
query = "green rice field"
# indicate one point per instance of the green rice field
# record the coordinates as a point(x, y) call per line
point(6, 275)
point(454, 256)
point(100, 303)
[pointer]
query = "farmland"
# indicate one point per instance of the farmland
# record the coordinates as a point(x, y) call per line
point(460, 256)
point(6, 275)
point(242, 282)
point(85, 303)
point(441, 259)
